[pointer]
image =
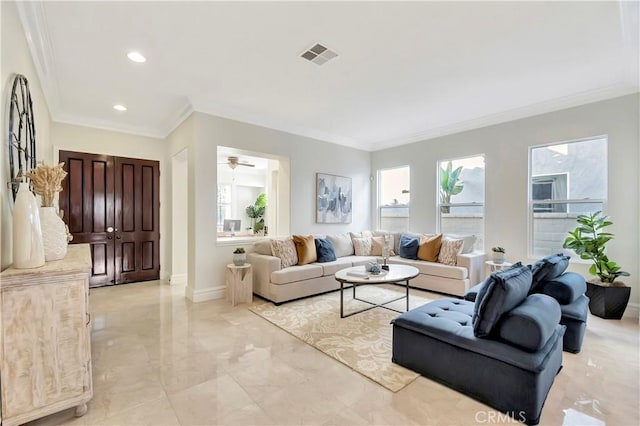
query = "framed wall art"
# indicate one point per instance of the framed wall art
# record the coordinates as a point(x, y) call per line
point(334, 198)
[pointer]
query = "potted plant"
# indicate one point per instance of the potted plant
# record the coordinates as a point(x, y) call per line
point(608, 297)
point(498, 254)
point(256, 213)
point(239, 256)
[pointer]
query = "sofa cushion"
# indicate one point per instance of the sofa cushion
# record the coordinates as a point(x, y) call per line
point(472, 293)
point(548, 268)
point(577, 310)
point(434, 268)
point(296, 273)
point(330, 268)
point(565, 289)
point(324, 250)
point(286, 250)
point(504, 291)
point(361, 260)
point(362, 246)
point(263, 247)
point(305, 248)
point(408, 247)
point(449, 251)
point(342, 244)
point(530, 324)
point(429, 247)
point(469, 242)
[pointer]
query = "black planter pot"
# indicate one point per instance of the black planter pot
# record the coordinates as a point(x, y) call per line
point(607, 302)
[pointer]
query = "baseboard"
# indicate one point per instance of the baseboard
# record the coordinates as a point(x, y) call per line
point(203, 295)
point(178, 279)
point(632, 311)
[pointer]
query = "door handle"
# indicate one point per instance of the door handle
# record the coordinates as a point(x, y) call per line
point(109, 237)
point(110, 229)
point(118, 237)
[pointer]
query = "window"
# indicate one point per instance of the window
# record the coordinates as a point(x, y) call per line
point(565, 180)
point(549, 187)
point(393, 199)
point(461, 197)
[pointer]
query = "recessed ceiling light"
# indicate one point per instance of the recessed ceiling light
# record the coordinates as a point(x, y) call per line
point(136, 57)
point(119, 107)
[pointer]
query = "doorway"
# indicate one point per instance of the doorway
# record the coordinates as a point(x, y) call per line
point(113, 204)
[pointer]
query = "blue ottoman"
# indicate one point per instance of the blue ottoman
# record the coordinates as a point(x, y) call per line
point(437, 341)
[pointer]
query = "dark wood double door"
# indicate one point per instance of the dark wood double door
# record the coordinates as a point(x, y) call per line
point(113, 204)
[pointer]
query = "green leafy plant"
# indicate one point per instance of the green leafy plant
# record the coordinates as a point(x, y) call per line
point(589, 241)
point(239, 250)
point(450, 184)
point(498, 249)
point(256, 212)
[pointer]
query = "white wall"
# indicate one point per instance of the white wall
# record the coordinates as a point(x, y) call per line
point(180, 217)
point(506, 153)
point(207, 260)
point(67, 137)
point(16, 59)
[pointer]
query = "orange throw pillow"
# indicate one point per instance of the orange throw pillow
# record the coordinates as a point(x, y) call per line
point(306, 248)
point(429, 247)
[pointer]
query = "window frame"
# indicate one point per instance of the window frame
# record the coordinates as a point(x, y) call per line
point(530, 202)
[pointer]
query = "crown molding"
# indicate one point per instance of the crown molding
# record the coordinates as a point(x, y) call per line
point(256, 119)
point(531, 110)
point(177, 118)
point(74, 120)
point(34, 23)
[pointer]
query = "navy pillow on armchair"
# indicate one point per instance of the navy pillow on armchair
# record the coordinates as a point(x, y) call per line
point(503, 291)
point(547, 269)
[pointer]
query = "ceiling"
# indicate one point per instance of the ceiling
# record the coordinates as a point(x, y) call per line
point(406, 71)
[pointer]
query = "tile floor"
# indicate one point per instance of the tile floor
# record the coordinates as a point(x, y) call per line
point(161, 360)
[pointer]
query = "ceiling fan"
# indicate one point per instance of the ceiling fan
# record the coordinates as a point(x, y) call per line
point(234, 162)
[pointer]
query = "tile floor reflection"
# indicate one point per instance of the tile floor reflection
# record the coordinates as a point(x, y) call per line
point(160, 360)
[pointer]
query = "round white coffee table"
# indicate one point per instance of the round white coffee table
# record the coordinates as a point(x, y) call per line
point(357, 276)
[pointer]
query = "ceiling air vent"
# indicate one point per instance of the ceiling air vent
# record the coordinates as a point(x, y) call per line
point(318, 54)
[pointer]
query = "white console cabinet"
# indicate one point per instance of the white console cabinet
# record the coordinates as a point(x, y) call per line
point(45, 347)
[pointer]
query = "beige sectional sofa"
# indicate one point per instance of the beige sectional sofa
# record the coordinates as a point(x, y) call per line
point(279, 285)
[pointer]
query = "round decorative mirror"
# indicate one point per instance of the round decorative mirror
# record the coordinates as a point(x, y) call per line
point(22, 133)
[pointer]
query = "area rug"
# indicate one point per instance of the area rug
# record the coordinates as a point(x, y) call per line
point(362, 342)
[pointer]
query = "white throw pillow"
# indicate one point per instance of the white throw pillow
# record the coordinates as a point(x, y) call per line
point(362, 246)
point(341, 244)
point(286, 251)
point(449, 251)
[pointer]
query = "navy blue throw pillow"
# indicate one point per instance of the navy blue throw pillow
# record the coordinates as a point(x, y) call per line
point(325, 250)
point(547, 269)
point(503, 291)
point(408, 247)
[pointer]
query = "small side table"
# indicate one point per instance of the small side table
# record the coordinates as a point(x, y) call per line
point(239, 283)
point(493, 266)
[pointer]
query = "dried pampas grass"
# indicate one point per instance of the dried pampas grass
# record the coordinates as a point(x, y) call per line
point(46, 181)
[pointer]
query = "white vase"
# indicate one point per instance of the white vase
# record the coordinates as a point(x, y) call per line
point(28, 251)
point(54, 234)
point(498, 257)
point(239, 259)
